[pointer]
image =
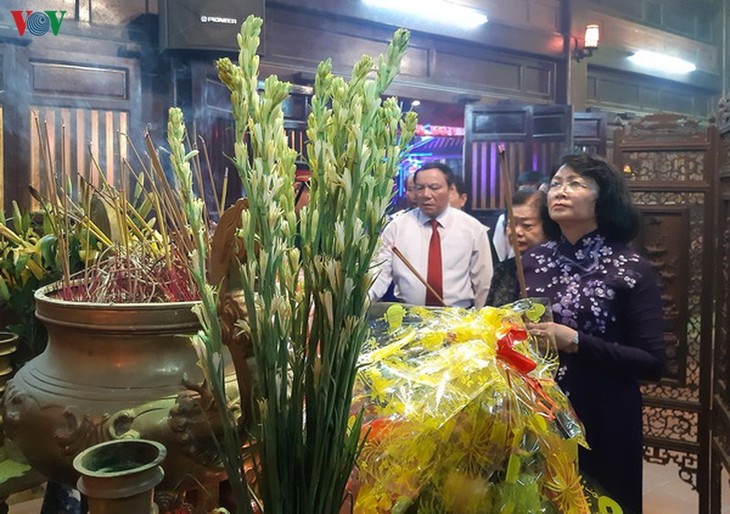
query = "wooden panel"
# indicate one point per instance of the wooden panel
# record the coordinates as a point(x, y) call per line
point(589, 132)
point(501, 124)
point(433, 68)
point(550, 123)
point(642, 94)
point(665, 167)
point(76, 144)
point(479, 69)
point(676, 101)
point(650, 98)
point(116, 13)
point(534, 14)
point(616, 91)
point(316, 40)
point(482, 176)
point(482, 170)
point(627, 34)
point(537, 80)
point(216, 95)
point(664, 240)
point(534, 136)
point(528, 26)
point(77, 80)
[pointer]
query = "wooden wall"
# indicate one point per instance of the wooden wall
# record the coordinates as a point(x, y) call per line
point(103, 75)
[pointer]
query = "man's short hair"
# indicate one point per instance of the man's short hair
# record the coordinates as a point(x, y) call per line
point(444, 168)
point(531, 177)
point(459, 185)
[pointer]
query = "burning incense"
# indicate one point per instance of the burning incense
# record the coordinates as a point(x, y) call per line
point(507, 191)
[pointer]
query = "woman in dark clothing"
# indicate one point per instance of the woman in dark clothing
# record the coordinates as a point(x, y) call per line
point(607, 316)
point(527, 207)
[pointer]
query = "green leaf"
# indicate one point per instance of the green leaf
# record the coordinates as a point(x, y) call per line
point(20, 263)
point(535, 312)
point(138, 189)
point(48, 250)
point(17, 219)
point(12, 469)
point(47, 224)
point(4, 293)
point(146, 207)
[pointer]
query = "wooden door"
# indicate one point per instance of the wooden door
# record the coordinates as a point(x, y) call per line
point(71, 117)
point(534, 137)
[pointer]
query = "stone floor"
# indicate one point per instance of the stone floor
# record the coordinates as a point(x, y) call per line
point(666, 493)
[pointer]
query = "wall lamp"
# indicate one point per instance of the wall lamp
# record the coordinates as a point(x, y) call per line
point(589, 44)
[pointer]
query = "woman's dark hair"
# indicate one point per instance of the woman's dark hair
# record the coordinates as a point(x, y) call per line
point(539, 199)
point(443, 168)
point(616, 215)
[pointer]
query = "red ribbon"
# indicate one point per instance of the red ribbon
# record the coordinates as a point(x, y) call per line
point(524, 365)
point(520, 362)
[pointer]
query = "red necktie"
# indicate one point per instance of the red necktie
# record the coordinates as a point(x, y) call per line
point(435, 272)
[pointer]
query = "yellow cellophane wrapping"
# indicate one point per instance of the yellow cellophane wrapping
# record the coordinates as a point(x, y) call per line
point(457, 425)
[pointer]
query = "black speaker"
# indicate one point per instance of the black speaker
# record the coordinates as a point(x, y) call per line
point(204, 24)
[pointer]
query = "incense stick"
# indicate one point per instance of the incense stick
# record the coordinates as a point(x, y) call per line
point(418, 275)
point(507, 191)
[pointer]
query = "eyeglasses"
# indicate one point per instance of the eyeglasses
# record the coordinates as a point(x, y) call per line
point(574, 186)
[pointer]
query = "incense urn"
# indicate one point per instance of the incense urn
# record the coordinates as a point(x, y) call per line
point(113, 371)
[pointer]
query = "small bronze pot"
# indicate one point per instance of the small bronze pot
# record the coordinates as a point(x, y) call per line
point(119, 477)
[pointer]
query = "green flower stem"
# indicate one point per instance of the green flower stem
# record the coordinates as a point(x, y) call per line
point(306, 336)
point(209, 338)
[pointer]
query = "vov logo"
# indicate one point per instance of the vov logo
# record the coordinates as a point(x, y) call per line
point(38, 22)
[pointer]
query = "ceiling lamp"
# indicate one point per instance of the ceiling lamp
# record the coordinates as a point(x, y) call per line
point(662, 62)
point(437, 10)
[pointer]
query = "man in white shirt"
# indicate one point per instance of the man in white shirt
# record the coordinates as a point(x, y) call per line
point(462, 246)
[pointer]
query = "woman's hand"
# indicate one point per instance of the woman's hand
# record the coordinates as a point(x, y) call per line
point(561, 334)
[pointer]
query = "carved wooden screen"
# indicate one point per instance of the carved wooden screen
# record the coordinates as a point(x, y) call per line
point(670, 164)
point(720, 450)
point(534, 137)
